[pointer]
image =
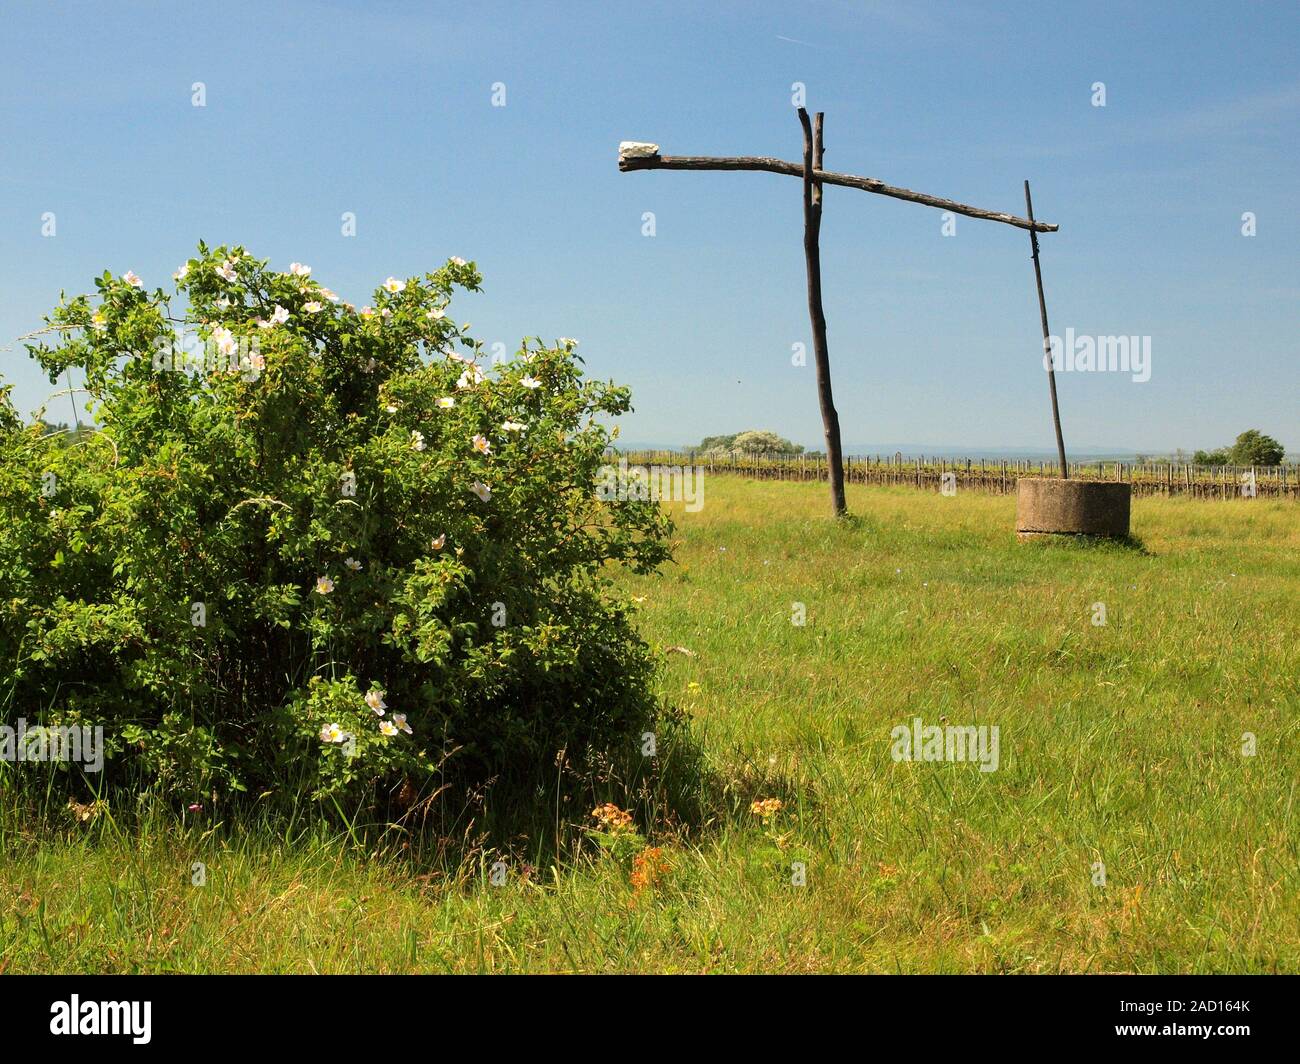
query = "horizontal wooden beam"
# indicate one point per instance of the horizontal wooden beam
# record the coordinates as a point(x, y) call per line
point(829, 177)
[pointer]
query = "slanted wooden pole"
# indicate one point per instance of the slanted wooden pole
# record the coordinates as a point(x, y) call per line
point(1047, 342)
point(812, 225)
point(825, 177)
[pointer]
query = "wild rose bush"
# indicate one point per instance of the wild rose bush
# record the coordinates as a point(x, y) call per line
point(335, 552)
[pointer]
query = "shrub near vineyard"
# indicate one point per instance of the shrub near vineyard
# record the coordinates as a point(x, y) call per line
point(318, 547)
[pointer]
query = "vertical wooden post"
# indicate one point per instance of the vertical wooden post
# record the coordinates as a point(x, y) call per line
point(812, 223)
point(1042, 314)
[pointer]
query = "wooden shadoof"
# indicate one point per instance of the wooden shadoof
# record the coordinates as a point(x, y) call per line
point(636, 155)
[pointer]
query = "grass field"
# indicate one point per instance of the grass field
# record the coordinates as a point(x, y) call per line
point(1120, 744)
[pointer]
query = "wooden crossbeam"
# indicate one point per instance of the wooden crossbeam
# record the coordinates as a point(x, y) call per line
point(827, 177)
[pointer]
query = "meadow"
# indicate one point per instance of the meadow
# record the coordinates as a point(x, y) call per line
point(1142, 817)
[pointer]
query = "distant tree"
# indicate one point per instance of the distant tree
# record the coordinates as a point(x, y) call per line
point(1253, 448)
point(757, 441)
point(718, 443)
point(751, 441)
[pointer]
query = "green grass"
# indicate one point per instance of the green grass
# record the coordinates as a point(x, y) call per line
point(1120, 744)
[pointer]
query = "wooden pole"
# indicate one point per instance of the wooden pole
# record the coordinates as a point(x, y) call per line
point(1047, 348)
point(812, 224)
point(826, 177)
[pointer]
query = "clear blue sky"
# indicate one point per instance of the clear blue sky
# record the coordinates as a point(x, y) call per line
point(385, 109)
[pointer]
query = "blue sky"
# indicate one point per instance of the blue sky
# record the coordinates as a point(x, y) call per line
point(385, 109)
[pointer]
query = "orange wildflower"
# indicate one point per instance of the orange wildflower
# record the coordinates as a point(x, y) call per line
point(611, 818)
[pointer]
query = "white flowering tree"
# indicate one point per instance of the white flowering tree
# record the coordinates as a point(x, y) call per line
point(318, 544)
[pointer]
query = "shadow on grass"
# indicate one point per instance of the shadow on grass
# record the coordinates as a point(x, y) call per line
point(444, 834)
point(678, 795)
point(1129, 544)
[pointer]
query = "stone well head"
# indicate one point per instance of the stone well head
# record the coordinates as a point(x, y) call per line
point(1049, 507)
